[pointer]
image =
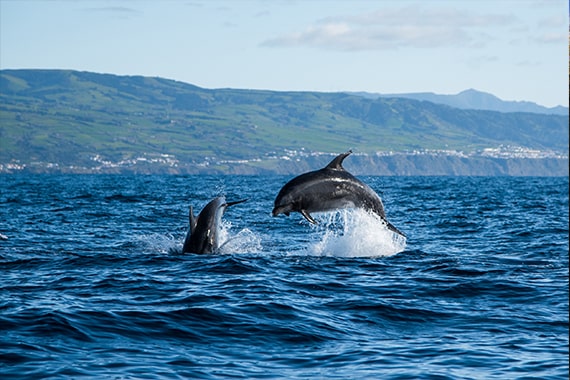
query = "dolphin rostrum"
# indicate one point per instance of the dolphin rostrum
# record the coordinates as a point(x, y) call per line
point(328, 189)
point(202, 237)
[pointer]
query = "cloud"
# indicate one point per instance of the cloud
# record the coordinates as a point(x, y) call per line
point(341, 36)
point(262, 13)
point(551, 38)
point(229, 24)
point(394, 28)
point(478, 62)
point(414, 15)
point(527, 63)
point(115, 11)
point(555, 21)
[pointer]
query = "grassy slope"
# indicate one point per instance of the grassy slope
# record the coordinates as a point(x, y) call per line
point(67, 117)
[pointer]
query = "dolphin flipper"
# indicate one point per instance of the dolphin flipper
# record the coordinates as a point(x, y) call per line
point(308, 217)
point(392, 228)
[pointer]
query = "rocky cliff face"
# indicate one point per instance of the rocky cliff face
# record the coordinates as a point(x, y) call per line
point(424, 165)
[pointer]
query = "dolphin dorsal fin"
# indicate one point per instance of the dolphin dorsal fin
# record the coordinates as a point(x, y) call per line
point(336, 164)
point(192, 220)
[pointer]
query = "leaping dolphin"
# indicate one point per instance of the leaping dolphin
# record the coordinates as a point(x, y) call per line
point(328, 189)
point(202, 236)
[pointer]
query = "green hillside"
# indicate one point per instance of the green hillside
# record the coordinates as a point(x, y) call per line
point(68, 117)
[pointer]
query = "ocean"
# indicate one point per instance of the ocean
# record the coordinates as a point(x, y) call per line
point(93, 283)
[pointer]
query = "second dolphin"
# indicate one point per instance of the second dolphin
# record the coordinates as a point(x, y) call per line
point(203, 234)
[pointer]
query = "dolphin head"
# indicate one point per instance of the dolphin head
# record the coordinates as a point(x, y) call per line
point(283, 209)
point(285, 202)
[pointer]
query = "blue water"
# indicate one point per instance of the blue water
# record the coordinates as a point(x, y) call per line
point(93, 284)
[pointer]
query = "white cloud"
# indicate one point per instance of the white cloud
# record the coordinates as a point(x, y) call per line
point(414, 15)
point(114, 11)
point(528, 63)
point(117, 10)
point(394, 28)
point(555, 21)
point(551, 38)
point(478, 62)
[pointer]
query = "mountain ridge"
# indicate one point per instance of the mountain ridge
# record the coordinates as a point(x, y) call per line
point(473, 99)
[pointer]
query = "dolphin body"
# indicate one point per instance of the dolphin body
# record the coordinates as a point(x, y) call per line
point(202, 237)
point(328, 189)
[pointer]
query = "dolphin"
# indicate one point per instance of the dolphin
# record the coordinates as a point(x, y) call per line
point(328, 189)
point(202, 236)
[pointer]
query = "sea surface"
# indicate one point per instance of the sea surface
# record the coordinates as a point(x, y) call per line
point(93, 283)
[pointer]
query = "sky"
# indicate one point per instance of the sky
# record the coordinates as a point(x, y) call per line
point(513, 49)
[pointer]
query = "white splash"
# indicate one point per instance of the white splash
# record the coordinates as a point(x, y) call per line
point(157, 243)
point(244, 241)
point(355, 233)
